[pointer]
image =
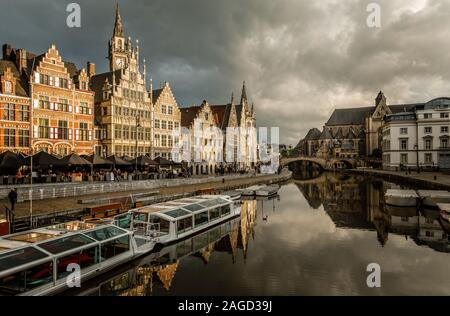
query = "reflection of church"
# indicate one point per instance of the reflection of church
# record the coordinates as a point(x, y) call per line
point(357, 204)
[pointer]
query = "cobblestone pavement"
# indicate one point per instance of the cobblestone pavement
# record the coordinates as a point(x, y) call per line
point(61, 204)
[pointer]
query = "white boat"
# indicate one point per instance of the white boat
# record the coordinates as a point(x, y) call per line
point(432, 198)
point(164, 223)
point(37, 262)
point(234, 194)
point(404, 198)
point(268, 190)
point(251, 191)
point(444, 219)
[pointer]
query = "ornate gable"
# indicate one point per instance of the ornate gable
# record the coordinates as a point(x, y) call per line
point(8, 82)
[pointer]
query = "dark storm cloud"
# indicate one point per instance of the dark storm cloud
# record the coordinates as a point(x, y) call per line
point(301, 59)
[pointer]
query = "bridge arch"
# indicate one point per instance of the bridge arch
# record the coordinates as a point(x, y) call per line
point(317, 161)
point(323, 163)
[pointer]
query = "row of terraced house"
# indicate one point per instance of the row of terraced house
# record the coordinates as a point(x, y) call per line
point(49, 104)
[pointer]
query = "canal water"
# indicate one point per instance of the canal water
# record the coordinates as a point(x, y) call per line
point(316, 238)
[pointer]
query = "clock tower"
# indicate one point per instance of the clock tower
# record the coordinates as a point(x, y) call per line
point(118, 47)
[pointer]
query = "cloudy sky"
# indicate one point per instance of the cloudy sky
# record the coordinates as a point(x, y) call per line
point(300, 58)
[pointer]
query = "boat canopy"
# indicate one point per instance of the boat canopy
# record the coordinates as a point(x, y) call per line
point(184, 208)
point(25, 248)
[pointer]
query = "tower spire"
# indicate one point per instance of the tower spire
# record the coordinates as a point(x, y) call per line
point(232, 98)
point(118, 27)
point(244, 94)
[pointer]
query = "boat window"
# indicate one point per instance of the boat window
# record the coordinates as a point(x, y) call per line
point(31, 237)
point(20, 257)
point(27, 280)
point(212, 203)
point(176, 213)
point(105, 233)
point(123, 221)
point(225, 210)
point(214, 213)
point(115, 247)
point(184, 225)
point(141, 217)
point(84, 258)
point(162, 223)
point(193, 207)
point(66, 243)
point(201, 219)
point(72, 226)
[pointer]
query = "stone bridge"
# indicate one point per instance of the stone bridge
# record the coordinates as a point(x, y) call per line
point(326, 164)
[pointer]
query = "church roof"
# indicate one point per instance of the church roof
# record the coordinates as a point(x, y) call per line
point(313, 134)
point(351, 134)
point(21, 84)
point(326, 134)
point(357, 116)
point(339, 134)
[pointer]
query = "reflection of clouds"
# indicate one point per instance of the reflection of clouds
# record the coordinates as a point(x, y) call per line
point(299, 251)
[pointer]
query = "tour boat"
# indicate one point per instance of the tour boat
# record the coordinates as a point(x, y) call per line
point(164, 223)
point(403, 198)
point(268, 190)
point(251, 191)
point(128, 274)
point(431, 197)
point(37, 262)
point(234, 194)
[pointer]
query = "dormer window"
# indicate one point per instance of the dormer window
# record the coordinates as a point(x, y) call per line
point(8, 87)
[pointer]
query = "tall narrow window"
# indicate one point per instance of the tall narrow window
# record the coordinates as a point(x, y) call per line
point(44, 128)
point(8, 112)
point(63, 130)
point(84, 132)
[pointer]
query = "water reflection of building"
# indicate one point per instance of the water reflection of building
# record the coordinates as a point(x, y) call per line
point(357, 203)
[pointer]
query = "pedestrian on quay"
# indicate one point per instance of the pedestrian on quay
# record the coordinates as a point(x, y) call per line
point(12, 196)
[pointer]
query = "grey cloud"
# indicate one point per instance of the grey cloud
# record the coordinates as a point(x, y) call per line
point(300, 58)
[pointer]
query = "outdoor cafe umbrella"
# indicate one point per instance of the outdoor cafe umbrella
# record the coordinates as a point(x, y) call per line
point(119, 162)
point(143, 161)
point(9, 163)
point(98, 161)
point(164, 162)
point(42, 160)
point(74, 160)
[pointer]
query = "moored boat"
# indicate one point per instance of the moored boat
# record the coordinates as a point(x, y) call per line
point(444, 216)
point(164, 223)
point(234, 194)
point(251, 191)
point(403, 198)
point(431, 198)
point(268, 190)
point(40, 261)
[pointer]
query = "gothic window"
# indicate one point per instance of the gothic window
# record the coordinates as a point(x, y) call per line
point(8, 112)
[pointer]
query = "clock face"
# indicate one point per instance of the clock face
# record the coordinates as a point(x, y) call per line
point(8, 87)
point(119, 62)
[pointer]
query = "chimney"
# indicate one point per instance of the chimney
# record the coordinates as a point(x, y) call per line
point(7, 50)
point(90, 69)
point(21, 59)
